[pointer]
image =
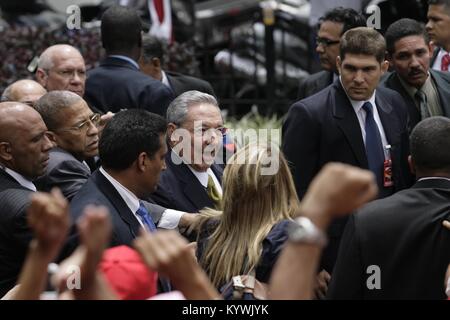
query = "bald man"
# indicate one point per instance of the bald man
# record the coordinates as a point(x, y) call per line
point(62, 67)
point(24, 91)
point(24, 155)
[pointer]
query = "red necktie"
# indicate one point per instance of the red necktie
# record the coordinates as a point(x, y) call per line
point(159, 6)
point(445, 62)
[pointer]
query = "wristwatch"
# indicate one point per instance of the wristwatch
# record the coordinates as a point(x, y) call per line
point(304, 231)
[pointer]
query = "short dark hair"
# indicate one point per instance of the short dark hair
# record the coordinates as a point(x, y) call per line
point(430, 144)
point(152, 47)
point(363, 40)
point(403, 28)
point(121, 29)
point(439, 2)
point(128, 134)
point(51, 107)
point(348, 17)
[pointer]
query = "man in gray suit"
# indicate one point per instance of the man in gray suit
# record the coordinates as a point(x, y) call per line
point(73, 127)
point(332, 26)
point(426, 91)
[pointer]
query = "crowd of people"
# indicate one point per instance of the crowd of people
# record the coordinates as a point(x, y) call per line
point(114, 171)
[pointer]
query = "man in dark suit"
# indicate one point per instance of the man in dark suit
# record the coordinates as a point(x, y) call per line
point(151, 62)
point(438, 28)
point(24, 148)
point(397, 248)
point(351, 122)
point(192, 180)
point(132, 150)
point(117, 83)
point(74, 129)
point(332, 26)
point(426, 92)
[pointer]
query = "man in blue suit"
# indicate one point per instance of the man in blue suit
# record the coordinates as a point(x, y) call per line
point(117, 83)
point(351, 121)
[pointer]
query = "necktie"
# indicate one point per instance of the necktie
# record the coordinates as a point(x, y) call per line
point(445, 62)
point(212, 192)
point(374, 146)
point(423, 105)
point(143, 213)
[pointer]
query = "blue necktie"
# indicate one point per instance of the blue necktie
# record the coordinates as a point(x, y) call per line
point(374, 146)
point(145, 217)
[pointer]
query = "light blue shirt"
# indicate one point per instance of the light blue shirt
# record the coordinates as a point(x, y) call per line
point(117, 56)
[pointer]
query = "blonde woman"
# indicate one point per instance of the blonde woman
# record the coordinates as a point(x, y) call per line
point(259, 202)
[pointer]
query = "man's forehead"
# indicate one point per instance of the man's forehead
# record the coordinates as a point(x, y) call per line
point(360, 60)
point(69, 59)
point(204, 112)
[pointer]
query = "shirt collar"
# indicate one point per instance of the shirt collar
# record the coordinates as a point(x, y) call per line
point(129, 197)
point(118, 56)
point(357, 105)
point(24, 182)
point(411, 90)
point(202, 176)
point(164, 79)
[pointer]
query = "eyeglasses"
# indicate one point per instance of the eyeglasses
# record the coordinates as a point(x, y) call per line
point(94, 119)
point(326, 42)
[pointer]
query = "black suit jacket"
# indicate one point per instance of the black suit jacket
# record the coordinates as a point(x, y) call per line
point(15, 234)
point(65, 172)
point(324, 128)
point(402, 235)
point(117, 84)
point(442, 82)
point(179, 189)
point(181, 83)
point(314, 83)
point(99, 191)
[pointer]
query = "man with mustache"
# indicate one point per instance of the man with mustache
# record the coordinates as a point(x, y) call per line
point(351, 121)
point(426, 91)
point(73, 127)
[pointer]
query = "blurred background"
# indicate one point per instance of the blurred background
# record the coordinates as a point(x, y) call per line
point(253, 52)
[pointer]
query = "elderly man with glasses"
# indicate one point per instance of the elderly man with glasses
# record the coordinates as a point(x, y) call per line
point(74, 128)
point(332, 26)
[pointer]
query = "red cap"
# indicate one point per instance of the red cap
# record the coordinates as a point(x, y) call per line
point(127, 274)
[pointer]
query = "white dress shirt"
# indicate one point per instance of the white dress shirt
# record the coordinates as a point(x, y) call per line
point(169, 218)
point(24, 182)
point(361, 114)
point(438, 62)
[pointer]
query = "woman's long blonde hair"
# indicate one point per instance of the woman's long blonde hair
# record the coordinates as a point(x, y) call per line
point(252, 203)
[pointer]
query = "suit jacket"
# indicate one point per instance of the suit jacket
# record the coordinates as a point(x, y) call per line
point(65, 172)
point(324, 128)
point(403, 236)
point(99, 191)
point(442, 82)
point(181, 83)
point(434, 56)
point(314, 83)
point(15, 234)
point(180, 189)
point(117, 84)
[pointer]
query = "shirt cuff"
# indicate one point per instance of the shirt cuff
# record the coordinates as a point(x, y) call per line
point(170, 219)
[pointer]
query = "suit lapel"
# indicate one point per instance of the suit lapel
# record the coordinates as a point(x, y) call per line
point(192, 188)
point(389, 122)
point(348, 122)
point(443, 90)
point(116, 200)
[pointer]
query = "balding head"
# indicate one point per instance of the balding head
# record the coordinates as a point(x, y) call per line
point(72, 124)
point(24, 145)
point(24, 91)
point(61, 67)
